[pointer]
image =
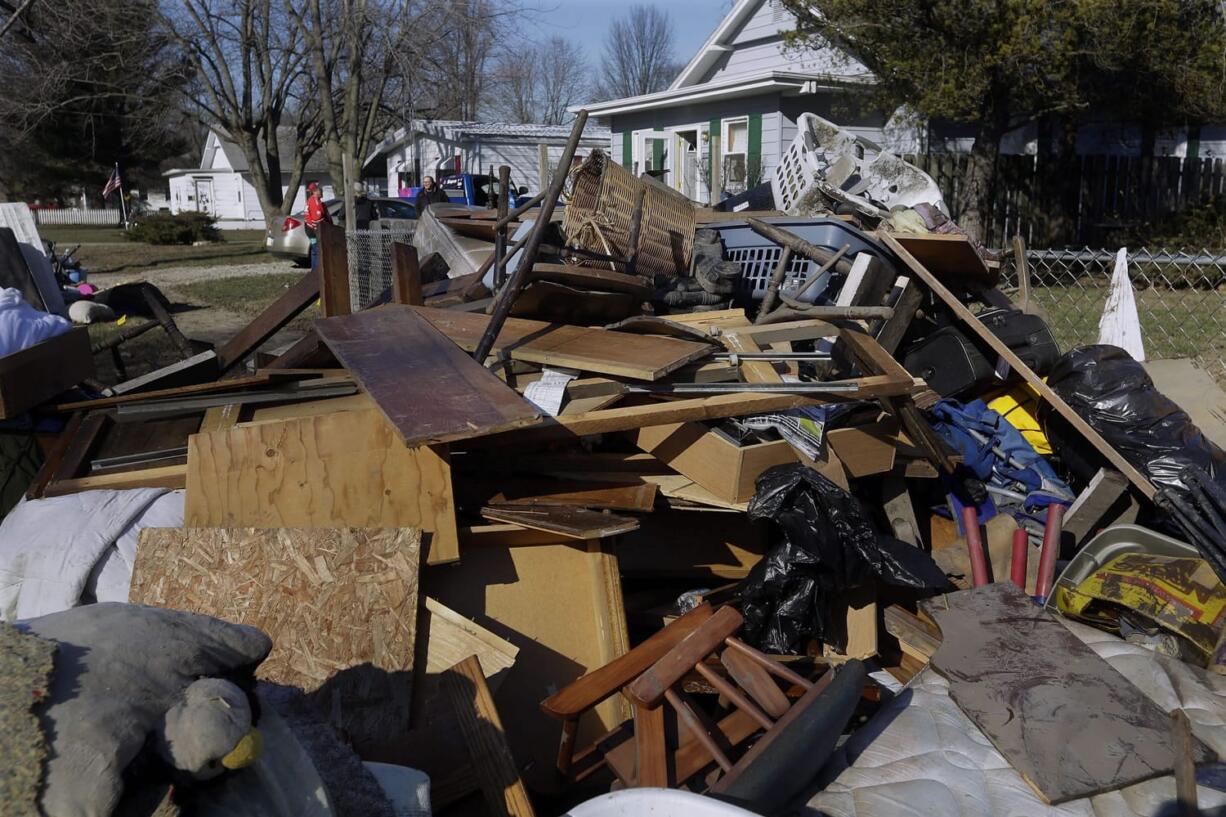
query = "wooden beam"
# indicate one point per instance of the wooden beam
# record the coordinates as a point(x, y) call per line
point(406, 276)
point(333, 271)
point(1066, 411)
point(280, 312)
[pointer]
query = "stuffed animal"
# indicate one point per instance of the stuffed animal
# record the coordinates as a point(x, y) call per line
point(129, 678)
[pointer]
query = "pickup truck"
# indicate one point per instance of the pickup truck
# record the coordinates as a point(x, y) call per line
point(476, 190)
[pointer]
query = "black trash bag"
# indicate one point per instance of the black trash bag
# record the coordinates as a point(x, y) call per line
point(1114, 394)
point(828, 546)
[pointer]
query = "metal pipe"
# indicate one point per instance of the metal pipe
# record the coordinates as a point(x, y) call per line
point(974, 546)
point(1018, 562)
point(510, 291)
point(835, 387)
point(1051, 550)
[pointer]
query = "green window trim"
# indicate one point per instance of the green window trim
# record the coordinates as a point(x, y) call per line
point(753, 153)
point(628, 150)
point(657, 154)
point(713, 142)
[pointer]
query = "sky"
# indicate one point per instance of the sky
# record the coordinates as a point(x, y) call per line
point(588, 20)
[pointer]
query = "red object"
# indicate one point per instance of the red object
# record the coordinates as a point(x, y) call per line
point(290, 223)
point(316, 213)
point(1051, 549)
point(974, 546)
point(1017, 565)
point(112, 182)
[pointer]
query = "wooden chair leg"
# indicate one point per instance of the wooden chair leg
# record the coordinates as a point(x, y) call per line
point(652, 747)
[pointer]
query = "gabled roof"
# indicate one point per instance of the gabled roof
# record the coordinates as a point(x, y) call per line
point(318, 163)
point(718, 44)
point(779, 81)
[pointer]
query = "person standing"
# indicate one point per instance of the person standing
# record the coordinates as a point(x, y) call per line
point(316, 214)
point(363, 207)
point(430, 193)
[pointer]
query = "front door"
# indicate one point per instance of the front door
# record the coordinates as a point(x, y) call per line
point(204, 196)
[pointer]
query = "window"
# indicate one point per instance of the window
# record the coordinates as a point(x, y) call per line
point(396, 209)
point(735, 154)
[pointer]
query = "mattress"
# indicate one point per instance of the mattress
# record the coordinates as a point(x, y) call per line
point(920, 755)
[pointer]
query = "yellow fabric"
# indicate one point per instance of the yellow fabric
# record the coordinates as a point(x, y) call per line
point(1020, 406)
point(245, 752)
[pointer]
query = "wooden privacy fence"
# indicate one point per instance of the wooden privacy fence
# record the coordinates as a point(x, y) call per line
point(1110, 192)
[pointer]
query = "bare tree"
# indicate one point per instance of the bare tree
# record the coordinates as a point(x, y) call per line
point(538, 85)
point(251, 78)
point(638, 54)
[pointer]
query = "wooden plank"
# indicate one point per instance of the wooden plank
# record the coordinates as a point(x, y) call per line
point(585, 277)
point(504, 792)
point(274, 317)
point(948, 256)
point(216, 387)
point(1068, 722)
point(450, 638)
point(594, 350)
point(639, 497)
point(306, 351)
point(334, 296)
point(914, 635)
point(649, 688)
point(37, 373)
point(1105, 501)
point(167, 476)
point(426, 387)
point(966, 316)
point(340, 606)
point(569, 521)
point(406, 275)
point(332, 471)
point(552, 601)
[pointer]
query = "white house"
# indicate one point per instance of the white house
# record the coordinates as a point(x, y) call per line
point(437, 146)
point(731, 112)
point(222, 185)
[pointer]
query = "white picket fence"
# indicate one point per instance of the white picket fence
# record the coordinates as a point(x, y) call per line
point(75, 215)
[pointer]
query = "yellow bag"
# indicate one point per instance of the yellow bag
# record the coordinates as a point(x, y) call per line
point(1020, 406)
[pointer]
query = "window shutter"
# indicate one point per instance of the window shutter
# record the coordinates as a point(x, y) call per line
point(713, 137)
point(753, 153)
point(628, 151)
point(657, 154)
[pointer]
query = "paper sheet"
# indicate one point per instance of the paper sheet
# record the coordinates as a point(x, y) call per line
point(548, 392)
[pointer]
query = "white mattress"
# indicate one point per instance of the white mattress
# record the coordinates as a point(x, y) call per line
point(921, 756)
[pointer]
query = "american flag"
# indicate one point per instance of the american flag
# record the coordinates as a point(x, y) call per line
point(113, 183)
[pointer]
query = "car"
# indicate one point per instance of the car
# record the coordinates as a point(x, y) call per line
point(291, 241)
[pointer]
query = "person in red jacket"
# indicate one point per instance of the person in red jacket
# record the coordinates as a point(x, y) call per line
point(316, 214)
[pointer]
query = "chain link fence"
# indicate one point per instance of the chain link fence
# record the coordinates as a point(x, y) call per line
point(370, 262)
point(1181, 299)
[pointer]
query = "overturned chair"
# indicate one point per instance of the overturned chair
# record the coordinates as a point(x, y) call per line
point(779, 744)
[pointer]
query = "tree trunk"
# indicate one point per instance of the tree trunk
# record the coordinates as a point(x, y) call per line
point(979, 178)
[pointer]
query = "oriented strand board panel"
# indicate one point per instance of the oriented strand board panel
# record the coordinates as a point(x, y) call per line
point(560, 604)
point(1068, 722)
point(624, 354)
point(330, 471)
point(339, 604)
point(425, 385)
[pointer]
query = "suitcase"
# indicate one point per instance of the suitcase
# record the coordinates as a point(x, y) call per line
point(950, 363)
point(1027, 335)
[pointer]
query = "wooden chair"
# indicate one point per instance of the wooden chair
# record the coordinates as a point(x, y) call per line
point(669, 740)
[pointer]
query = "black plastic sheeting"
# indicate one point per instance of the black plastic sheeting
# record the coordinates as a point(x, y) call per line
point(827, 546)
point(1114, 394)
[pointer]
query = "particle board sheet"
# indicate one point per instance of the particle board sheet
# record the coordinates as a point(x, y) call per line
point(346, 469)
point(1068, 722)
point(622, 354)
point(425, 385)
point(560, 604)
point(340, 606)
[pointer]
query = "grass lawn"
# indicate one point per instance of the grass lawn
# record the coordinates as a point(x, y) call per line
point(105, 249)
point(246, 295)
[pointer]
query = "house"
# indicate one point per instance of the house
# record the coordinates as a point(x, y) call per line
point(434, 147)
point(729, 115)
point(222, 185)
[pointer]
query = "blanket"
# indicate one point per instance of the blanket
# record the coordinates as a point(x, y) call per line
point(58, 552)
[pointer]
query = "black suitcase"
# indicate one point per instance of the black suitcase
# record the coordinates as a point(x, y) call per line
point(950, 363)
point(1027, 335)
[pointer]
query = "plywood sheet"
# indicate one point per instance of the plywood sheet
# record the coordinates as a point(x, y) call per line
point(560, 604)
point(339, 604)
point(450, 638)
point(1068, 722)
point(330, 471)
point(565, 520)
point(622, 354)
point(425, 385)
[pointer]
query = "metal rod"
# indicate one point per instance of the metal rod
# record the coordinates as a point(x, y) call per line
point(771, 356)
point(772, 289)
point(974, 546)
point(103, 463)
point(500, 229)
point(1018, 564)
point(1051, 550)
point(510, 291)
point(835, 387)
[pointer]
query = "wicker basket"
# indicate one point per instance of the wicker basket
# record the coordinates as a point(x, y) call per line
point(598, 216)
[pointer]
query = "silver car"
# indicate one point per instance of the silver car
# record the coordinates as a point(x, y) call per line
point(291, 242)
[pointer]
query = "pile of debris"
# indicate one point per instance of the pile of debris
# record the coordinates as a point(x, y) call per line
point(647, 496)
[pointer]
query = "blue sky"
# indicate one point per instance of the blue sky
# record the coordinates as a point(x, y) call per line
point(588, 20)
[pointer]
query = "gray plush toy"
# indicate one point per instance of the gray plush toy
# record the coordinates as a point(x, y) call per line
point(127, 676)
